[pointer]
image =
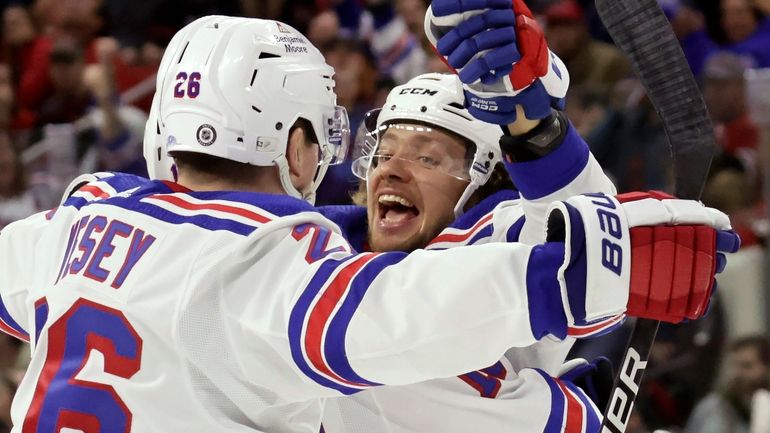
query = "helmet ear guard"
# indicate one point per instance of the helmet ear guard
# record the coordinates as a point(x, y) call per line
point(160, 165)
point(234, 87)
point(432, 99)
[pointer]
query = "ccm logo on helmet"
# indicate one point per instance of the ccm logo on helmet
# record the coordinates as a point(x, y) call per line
point(417, 91)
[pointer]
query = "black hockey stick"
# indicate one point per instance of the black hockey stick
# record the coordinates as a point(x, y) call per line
point(641, 30)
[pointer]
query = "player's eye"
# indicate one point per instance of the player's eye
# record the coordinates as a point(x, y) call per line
point(427, 161)
point(379, 158)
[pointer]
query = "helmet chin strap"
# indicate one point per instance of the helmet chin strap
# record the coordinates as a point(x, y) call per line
point(463, 200)
point(476, 181)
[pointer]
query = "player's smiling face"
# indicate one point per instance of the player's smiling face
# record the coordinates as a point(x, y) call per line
point(413, 187)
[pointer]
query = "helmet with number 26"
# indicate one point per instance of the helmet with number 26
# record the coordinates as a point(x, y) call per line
point(233, 88)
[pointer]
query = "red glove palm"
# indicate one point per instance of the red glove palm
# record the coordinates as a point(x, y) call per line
point(673, 267)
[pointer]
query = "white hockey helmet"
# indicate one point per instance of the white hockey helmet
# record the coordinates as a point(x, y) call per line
point(233, 87)
point(434, 99)
point(160, 166)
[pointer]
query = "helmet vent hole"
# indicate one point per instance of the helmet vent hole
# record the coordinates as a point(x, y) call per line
point(268, 55)
point(456, 105)
point(159, 154)
point(253, 77)
point(184, 50)
point(459, 114)
point(256, 109)
point(423, 109)
point(239, 139)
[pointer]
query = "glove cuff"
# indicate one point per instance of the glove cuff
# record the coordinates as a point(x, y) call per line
point(595, 276)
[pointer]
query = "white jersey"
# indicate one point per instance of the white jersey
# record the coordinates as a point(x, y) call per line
point(157, 309)
point(520, 392)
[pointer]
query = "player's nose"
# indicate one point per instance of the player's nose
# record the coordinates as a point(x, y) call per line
point(395, 168)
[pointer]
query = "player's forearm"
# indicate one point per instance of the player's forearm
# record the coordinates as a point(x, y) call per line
point(429, 318)
point(392, 318)
point(557, 165)
point(522, 125)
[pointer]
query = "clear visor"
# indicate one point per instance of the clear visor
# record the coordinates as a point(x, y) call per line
point(413, 145)
point(334, 147)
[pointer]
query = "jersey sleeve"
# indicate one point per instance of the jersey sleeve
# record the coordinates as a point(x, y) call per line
point(18, 241)
point(529, 400)
point(559, 406)
point(97, 186)
point(569, 170)
point(346, 322)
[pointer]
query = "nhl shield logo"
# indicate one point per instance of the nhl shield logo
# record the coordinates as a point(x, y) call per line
point(206, 135)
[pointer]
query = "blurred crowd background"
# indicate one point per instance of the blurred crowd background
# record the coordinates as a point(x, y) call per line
point(77, 78)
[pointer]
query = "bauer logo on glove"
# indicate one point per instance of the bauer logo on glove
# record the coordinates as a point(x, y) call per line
point(646, 254)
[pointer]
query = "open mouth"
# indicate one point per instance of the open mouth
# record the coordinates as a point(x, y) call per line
point(395, 210)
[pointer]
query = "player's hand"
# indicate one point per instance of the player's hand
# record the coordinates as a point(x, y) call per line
point(673, 268)
point(649, 254)
point(96, 79)
point(500, 54)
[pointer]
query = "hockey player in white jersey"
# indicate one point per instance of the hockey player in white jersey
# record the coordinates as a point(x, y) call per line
point(225, 303)
point(549, 162)
point(410, 206)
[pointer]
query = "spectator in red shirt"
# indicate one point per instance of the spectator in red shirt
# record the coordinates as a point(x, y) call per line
point(26, 51)
point(70, 98)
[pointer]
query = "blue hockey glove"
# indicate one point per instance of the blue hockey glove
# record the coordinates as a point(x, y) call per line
point(500, 54)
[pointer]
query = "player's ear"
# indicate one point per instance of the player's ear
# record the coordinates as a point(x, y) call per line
point(294, 153)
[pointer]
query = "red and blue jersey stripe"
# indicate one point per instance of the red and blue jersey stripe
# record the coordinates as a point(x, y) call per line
point(9, 325)
point(107, 185)
point(236, 212)
point(180, 211)
point(571, 411)
point(320, 318)
point(477, 224)
point(597, 328)
point(453, 237)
